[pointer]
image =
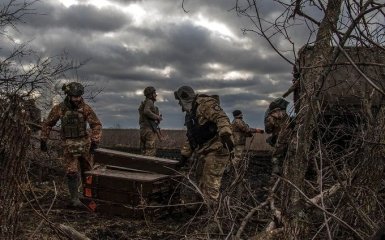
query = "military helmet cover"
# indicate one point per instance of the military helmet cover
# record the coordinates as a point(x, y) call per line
point(149, 90)
point(278, 103)
point(73, 89)
point(184, 93)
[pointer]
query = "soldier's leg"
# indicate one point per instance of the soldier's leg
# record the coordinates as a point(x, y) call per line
point(198, 174)
point(150, 143)
point(277, 157)
point(142, 141)
point(85, 161)
point(72, 178)
point(238, 157)
point(214, 166)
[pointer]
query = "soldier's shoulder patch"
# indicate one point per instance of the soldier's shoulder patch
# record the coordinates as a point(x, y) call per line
point(217, 108)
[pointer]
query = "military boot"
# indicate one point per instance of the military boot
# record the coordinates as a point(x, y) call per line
point(73, 184)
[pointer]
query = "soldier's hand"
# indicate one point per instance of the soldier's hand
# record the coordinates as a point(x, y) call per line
point(227, 142)
point(182, 162)
point(43, 145)
point(93, 147)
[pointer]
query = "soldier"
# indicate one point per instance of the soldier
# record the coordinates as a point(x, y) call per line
point(240, 132)
point(277, 122)
point(78, 143)
point(149, 119)
point(209, 135)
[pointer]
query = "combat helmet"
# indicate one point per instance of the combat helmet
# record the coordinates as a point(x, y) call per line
point(73, 89)
point(148, 91)
point(184, 93)
point(278, 103)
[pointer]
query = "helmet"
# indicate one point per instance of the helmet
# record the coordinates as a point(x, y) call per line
point(278, 103)
point(148, 91)
point(184, 93)
point(237, 113)
point(73, 89)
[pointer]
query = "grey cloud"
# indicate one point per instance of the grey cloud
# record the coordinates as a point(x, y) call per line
point(122, 70)
point(77, 18)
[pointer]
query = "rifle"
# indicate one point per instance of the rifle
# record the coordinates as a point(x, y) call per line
point(291, 89)
point(155, 127)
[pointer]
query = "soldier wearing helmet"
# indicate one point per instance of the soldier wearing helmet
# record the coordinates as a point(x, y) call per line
point(79, 143)
point(277, 123)
point(209, 136)
point(241, 131)
point(149, 119)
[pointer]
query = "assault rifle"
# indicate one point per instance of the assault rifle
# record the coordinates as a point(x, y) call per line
point(155, 127)
point(291, 89)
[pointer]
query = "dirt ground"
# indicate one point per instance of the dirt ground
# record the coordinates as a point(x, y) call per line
point(51, 194)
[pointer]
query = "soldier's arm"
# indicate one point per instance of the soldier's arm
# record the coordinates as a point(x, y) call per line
point(186, 150)
point(269, 124)
point(95, 124)
point(243, 126)
point(53, 117)
point(215, 113)
point(148, 112)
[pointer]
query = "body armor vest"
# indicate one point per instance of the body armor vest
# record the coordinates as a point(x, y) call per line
point(239, 136)
point(197, 134)
point(144, 120)
point(73, 124)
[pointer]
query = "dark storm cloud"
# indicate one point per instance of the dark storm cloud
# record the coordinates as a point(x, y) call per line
point(124, 57)
point(77, 18)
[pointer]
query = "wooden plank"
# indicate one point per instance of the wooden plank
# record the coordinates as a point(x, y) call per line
point(128, 175)
point(135, 161)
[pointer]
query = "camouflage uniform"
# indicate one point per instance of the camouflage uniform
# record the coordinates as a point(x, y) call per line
point(148, 121)
point(277, 122)
point(210, 125)
point(240, 132)
point(76, 142)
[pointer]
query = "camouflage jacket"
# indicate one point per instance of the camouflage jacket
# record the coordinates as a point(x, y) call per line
point(208, 109)
point(276, 121)
point(58, 111)
point(241, 131)
point(148, 113)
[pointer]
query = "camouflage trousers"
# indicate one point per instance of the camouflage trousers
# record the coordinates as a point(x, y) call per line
point(209, 175)
point(238, 155)
point(147, 142)
point(77, 153)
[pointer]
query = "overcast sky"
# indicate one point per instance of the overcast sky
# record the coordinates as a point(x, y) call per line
point(134, 44)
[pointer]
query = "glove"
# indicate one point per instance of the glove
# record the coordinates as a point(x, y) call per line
point(227, 142)
point(182, 162)
point(43, 145)
point(93, 147)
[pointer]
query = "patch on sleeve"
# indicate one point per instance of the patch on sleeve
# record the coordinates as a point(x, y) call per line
point(217, 108)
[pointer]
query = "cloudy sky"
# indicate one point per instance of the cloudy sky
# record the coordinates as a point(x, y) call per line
point(134, 44)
